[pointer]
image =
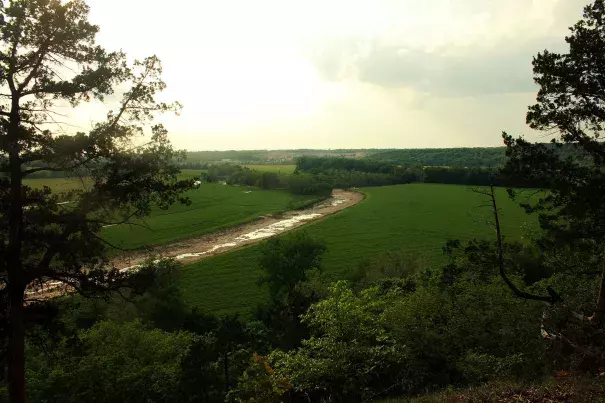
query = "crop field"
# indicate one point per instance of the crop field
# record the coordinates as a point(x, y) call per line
point(190, 173)
point(65, 184)
point(213, 207)
point(283, 169)
point(417, 219)
point(57, 184)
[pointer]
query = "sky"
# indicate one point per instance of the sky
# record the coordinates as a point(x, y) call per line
point(281, 74)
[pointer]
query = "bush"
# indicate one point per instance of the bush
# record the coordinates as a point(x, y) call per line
point(111, 363)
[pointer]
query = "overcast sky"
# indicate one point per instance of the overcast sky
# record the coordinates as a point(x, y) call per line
point(340, 73)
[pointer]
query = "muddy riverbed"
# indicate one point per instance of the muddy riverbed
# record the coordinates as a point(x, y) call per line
point(223, 241)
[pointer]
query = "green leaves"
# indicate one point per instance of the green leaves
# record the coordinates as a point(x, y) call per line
point(570, 102)
point(112, 363)
point(287, 261)
point(48, 55)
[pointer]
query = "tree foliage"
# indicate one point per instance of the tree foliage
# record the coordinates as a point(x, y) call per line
point(49, 58)
point(486, 157)
point(291, 266)
point(570, 102)
point(111, 362)
point(287, 261)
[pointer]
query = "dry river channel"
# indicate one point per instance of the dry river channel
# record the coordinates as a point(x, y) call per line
point(222, 241)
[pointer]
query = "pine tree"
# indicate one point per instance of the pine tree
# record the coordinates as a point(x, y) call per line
point(48, 57)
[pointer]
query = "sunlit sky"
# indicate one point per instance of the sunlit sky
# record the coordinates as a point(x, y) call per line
point(340, 73)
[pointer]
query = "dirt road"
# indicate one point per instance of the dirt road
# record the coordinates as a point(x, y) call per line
point(223, 241)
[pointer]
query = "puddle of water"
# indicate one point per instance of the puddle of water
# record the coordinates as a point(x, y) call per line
point(214, 249)
point(265, 232)
point(260, 233)
point(336, 202)
point(136, 266)
point(276, 227)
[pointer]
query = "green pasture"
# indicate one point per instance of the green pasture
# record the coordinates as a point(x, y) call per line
point(417, 219)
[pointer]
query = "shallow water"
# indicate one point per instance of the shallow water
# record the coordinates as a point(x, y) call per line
point(276, 228)
point(265, 232)
point(239, 240)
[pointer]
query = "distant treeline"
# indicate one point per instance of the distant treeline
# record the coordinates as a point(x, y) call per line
point(268, 156)
point(196, 158)
point(299, 184)
point(349, 173)
point(458, 157)
point(466, 157)
point(322, 164)
point(319, 175)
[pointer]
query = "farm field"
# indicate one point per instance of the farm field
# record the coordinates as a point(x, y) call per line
point(213, 207)
point(283, 169)
point(65, 184)
point(57, 184)
point(417, 219)
point(190, 173)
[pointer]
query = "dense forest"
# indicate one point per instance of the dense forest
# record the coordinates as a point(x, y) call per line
point(459, 157)
point(319, 175)
point(197, 158)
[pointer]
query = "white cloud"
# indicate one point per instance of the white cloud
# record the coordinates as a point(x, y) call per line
point(339, 73)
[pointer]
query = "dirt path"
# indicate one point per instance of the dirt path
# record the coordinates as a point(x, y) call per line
point(223, 241)
point(228, 239)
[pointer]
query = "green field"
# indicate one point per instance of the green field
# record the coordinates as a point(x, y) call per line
point(213, 207)
point(190, 173)
point(417, 219)
point(57, 184)
point(64, 184)
point(282, 169)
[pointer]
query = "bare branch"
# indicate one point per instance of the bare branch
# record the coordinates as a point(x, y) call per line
point(552, 298)
point(40, 54)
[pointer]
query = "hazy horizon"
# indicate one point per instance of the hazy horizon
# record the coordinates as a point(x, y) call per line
point(337, 148)
point(334, 74)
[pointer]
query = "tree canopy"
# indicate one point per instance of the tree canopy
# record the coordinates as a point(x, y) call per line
point(570, 103)
point(49, 58)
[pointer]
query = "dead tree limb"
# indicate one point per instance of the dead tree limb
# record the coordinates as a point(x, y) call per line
point(553, 297)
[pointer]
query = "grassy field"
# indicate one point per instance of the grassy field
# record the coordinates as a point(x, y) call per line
point(57, 184)
point(190, 173)
point(213, 207)
point(283, 169)
point(417, 219)
point(64, 184)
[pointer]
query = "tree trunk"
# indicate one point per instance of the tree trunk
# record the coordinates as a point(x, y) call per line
point(16, 348)
point(600, 308)
point(226, 369)
point(16, 277)
point(552, 298)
